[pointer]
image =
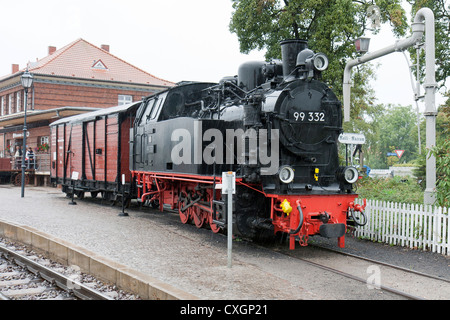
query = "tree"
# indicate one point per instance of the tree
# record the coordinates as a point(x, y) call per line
point(329, 26)
point(394, 130)
point(442, 154)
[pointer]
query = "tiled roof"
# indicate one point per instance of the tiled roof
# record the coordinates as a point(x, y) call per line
point(81, 59)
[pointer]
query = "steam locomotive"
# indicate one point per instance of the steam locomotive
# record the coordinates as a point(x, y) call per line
point(275, 125)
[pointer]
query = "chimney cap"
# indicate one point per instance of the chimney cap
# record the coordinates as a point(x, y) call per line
point(105, 47)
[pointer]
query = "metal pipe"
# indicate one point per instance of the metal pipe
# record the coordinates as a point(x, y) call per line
point(399, 45)
point(300, 223)
point(430, 107)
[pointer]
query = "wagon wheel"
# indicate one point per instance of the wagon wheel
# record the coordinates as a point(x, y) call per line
point(80, 194)
point(154, 203)
point(199, 216)
point(18, 179)
point(214, 227)
point(183, 201)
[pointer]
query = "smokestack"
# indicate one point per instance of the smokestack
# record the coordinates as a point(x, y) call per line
point(15, 68)
point(51, 50)
point(289, 51)
point(105, 47)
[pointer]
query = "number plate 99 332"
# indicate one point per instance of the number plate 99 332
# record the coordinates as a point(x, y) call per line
point(308, 116)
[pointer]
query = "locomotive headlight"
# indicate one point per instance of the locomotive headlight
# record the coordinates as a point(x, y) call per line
point(286, 174)
point(349, 174)
point(320, 61)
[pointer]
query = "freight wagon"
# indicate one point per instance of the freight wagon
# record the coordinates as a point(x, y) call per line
point(90, 152)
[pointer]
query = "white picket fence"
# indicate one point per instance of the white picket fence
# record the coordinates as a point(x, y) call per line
point(422, 227)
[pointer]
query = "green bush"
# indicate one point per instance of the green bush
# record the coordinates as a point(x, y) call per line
point(396, 189)
point(442, 154)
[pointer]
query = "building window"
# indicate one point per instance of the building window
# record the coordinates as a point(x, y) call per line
point(18, 100)
point(124, 99)
point(43, 144)
point(10, 105)
point(3, 106)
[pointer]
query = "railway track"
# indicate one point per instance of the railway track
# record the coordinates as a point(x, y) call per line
point(377, 275)
point(25, 277)
point(403, 282)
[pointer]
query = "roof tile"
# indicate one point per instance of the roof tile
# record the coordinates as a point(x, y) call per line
point(77, 59)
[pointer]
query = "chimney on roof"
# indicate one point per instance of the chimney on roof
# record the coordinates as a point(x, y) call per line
point(15, 68)
point(51, 50)
point(105, 47)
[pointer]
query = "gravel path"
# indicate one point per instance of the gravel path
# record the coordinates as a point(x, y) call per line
point(191, 259)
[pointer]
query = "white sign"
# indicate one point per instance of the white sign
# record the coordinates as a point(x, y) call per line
point(74, 175)
point(352, 138)
point(20, 135)
point(225, 183)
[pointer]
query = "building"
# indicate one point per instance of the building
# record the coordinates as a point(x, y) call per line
point(77, 78)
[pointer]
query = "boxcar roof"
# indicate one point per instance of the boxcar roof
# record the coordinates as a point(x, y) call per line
point(92, 115)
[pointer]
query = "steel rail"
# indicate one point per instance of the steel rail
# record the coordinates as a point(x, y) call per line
point(348, 275)
point(345, 274)
point(64, 282)
point(383, 263)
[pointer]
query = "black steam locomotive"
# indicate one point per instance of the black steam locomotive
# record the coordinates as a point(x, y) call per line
point(275, 125)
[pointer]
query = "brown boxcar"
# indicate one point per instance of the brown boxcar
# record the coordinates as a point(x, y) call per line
point(90, 152)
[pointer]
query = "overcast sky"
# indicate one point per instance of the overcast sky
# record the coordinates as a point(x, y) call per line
point(171, 39)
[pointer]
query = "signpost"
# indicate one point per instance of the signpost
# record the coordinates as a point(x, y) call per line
point(123, 213)
point(74, 177)
point(352, 139)
point(229, 188)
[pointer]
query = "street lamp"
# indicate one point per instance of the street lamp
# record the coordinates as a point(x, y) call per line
point(362, 45)
point(27, 81)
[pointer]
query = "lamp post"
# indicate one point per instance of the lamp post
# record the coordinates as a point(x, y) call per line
point(27, 81)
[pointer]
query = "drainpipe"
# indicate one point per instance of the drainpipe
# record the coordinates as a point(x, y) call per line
point(418, 28)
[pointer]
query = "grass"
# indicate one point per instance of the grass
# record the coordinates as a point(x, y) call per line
point(396, 189)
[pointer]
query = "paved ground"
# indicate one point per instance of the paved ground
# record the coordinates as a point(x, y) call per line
point(195, 260)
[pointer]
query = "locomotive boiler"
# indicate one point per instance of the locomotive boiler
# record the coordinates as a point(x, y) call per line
point(275, 124)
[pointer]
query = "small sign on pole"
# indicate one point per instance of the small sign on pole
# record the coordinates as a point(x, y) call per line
point(352, 138)
point(399, 153)
point(225, 185)
point(229, 188)
point(123, 213)
point(74, 177)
